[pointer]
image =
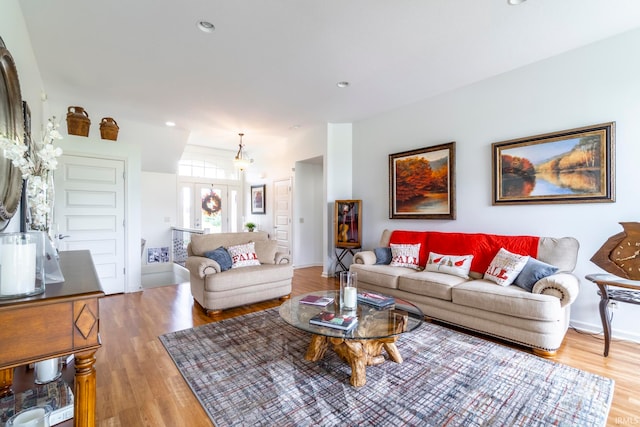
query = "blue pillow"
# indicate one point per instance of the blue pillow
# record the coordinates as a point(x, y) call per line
point(383, 255)
point(221, 256)
point(533, 271)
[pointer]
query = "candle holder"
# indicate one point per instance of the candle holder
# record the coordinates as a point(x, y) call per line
point(348, 290)
point(37, 416)
point(21, 264)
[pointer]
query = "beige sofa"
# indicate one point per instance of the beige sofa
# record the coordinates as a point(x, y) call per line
point(537, 319)
point(215, 290)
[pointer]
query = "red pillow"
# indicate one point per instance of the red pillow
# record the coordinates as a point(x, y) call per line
point(412, 238)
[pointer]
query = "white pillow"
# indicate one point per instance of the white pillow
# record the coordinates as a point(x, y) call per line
point(243, 255)
point(403, 255)
point(457, 265)
point(505, 267)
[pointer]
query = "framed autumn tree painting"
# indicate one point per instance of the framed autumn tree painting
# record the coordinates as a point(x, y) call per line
point(422, 183)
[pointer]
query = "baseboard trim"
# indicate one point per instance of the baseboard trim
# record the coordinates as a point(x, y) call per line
point(597, 329)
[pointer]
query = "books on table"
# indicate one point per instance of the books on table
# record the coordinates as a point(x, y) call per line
point(344, 322)
point(316, 300)
point(377, 300)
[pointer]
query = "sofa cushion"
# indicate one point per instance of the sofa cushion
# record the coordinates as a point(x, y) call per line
point(402, 237)
point(248, 276)
point(266, 251)
point(405, 255)
point(201, 243)
point(483, 247)
point(383, 256)
point(429, 283)
point(243, 255)
point(533, 271)
point(450, 264)
point(384, 276)
point(505, 267)
point(221, 256)
point(509, 300)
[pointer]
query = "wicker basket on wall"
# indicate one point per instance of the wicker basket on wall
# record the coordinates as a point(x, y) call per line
point(78, 121)
point(109, 129)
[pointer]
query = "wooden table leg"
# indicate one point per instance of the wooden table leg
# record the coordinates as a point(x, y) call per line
point(84, 412)
point(317, 348)
point(604, 316)
point(6, 381)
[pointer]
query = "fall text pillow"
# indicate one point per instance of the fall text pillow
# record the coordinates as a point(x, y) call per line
point(403, 255)
point(457, 265)
point(243, 255)
point(505, 267)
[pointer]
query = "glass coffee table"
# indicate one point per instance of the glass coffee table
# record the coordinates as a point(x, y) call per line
point(377, 329)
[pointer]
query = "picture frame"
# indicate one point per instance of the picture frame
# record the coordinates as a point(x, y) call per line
point(422, 183)
point(347, 223)
point(569, 166)
point(258, 199)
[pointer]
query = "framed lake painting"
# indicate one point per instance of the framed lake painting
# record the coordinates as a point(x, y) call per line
point(422, 183)
point(571, 166)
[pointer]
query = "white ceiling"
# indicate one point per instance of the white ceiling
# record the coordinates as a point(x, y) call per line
point(271, 65)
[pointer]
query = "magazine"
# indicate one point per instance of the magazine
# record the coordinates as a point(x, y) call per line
point(316, 300)
point(331, 320)
point(377, 300)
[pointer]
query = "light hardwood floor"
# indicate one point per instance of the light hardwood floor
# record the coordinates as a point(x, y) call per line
point(138, 384)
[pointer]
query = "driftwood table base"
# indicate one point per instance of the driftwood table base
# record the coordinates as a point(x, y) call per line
point(357, 353)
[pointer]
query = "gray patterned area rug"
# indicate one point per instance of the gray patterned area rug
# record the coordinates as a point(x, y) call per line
point(250, 371)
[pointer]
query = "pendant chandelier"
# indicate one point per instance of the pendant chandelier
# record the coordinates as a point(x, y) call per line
point(241, 161)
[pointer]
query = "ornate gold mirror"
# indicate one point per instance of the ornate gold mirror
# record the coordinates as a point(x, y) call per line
point(12, 126)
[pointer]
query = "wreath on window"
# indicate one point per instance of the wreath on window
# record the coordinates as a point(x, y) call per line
point(211, 204)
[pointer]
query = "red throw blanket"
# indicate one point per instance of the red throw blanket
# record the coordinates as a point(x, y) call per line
point(483, 247)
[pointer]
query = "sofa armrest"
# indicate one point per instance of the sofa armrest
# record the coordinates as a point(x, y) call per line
point(282, 258)
point(565, 286)
point(202, 266)
point(365, 257)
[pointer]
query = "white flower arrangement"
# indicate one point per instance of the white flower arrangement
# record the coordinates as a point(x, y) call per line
point(35, 163)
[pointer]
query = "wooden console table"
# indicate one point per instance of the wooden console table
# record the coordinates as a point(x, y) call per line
point(63, 320)
point(629, 294)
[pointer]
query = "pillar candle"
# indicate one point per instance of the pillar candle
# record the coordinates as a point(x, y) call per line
point(350, 296)
point(17, 266)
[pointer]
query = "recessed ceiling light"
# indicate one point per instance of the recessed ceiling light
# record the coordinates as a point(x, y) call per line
point(170, 124)
point(294, 127)
point(206, 26)
point(515, 2)
point(342, 84)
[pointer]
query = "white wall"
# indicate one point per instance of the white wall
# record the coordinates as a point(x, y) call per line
point(591, 85)
point(158, 199)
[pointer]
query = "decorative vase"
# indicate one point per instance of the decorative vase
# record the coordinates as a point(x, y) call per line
point(41, 193)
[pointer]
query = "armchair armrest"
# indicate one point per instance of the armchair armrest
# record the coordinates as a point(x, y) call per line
point(565, 286)
point(282, 258)
point(364, 257)
point(202, 266)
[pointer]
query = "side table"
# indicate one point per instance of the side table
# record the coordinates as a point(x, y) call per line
point(342, 252)
point(630, 293)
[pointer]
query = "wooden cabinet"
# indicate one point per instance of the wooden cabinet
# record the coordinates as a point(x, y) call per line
point(63, 320)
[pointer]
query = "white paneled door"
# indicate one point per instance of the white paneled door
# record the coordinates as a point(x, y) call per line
point(89, 214)
point(282, 214)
